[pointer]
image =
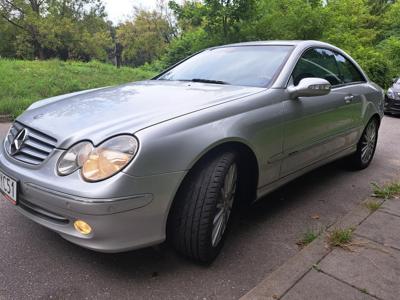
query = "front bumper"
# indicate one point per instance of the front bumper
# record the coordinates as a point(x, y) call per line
point(125, 212)
point(392, 105)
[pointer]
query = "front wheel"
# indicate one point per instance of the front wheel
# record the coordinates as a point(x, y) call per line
point(366, 147)
point(202, 212)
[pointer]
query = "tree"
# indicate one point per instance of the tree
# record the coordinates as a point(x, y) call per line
point(25, 15)
point(58, 28)
point(390, 46)
point(379, 7)
point(144, 38)
point(7, 38)
point(280, 19)
point(190, 15)
point(350, 24)
point(221, 19)
point(225, 17)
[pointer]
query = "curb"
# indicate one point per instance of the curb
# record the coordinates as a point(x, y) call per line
point(279, 282)
point(6, 118)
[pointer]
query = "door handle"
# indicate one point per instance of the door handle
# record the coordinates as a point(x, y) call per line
point(348, 99)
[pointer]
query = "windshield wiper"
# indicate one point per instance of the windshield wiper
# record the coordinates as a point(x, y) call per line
point(208, 81)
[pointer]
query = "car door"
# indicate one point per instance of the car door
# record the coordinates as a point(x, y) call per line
point(355, 88)
point(315, 127)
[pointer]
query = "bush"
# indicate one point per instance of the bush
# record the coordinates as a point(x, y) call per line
point(375, 64)
point(188, 44)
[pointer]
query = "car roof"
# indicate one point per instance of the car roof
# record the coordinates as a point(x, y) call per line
point(300, 46)
point(295, 43)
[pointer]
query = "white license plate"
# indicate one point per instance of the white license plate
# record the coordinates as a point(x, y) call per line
point(8, 188)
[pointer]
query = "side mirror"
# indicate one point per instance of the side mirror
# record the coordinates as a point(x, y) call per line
point(310, 87)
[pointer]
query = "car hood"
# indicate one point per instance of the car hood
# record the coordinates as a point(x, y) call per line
point(99, 114)
point(396, 88)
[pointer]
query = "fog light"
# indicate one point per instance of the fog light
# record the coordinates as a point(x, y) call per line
point(82, 227)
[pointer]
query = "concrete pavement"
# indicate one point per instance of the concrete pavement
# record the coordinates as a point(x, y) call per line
point(3, 128)
point(36, 263)
point(368, 269)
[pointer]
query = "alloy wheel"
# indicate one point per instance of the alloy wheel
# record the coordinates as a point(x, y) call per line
point(368, 143)
point(224, 205)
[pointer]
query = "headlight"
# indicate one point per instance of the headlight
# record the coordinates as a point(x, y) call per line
point(390, 94)
point(74, 158)
point(102, 162)
point(109, 158)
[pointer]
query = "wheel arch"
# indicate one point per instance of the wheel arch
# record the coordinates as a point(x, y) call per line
point(248, 164)
point(378, 118)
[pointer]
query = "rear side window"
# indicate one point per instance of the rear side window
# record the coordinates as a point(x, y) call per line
point(326, 64)
point(319, 63)
point(348, 72)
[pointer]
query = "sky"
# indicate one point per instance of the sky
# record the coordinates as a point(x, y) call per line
point(120, 10)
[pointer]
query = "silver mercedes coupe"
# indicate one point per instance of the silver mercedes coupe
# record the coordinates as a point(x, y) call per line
point(121, 168)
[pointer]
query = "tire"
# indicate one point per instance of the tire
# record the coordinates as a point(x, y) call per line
point(193, 226)
point(366, 147)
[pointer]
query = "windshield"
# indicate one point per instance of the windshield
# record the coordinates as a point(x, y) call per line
point(241, 65)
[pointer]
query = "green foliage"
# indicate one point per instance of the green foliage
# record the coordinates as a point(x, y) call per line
point(280, 19)
point(349, 24)
point(369, 30)
point(224, 18)
point(340, 237)
point(74, 29)
point(373, 206)
point(145, 38)
point(24, 82)
point(391, 20)
point(188, 44)
point(374, 62)
point(207, 24)
point(390, 49)
point(308, 237)
point(189, 15)
point(387, 191)
point(7, 36)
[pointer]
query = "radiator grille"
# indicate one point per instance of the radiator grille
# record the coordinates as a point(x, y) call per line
point(35, 148)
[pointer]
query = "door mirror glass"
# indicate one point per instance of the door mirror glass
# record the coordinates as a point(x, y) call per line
point(310, 87)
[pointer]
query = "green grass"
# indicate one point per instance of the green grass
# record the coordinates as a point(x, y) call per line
point(387, 191)
point(372, 206)
point(24, 82)
point(308, 237)
point(340, 237)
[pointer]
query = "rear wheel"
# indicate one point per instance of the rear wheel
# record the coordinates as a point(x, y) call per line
point(366, 146)
point(203, 208)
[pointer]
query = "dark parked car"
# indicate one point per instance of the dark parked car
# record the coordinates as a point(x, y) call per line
point(392, 99)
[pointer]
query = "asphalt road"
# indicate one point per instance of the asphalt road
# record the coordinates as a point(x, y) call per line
point(37, 263)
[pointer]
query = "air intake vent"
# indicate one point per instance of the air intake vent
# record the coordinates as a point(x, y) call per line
point(28, 145)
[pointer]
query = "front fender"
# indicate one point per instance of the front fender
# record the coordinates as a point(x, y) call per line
point(255, 121)
point(169, 149)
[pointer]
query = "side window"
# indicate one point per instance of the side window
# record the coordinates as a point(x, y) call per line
point(319, 63)
point(348, 72)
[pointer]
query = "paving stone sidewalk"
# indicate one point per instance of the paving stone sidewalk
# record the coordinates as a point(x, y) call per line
point(370, 269)
point(4, 127)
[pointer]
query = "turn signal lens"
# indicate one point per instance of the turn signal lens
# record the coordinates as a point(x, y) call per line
point(82, 227)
